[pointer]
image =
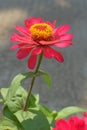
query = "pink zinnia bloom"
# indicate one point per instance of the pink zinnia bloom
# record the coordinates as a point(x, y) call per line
point(38, 37)
point(73, 123)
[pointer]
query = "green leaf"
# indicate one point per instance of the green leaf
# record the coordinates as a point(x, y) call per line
point(15, 96)
point(24, 115)
point(4, 92)
point(16, 83)
point(7, 124)
point(8, 114)
point(33, 120)
point(46, 77)
point(17, 102)
point(69, 111)
point(8, 93)
point(34, 101)
point(49, 114)
point(45, 110)
point(1, 100)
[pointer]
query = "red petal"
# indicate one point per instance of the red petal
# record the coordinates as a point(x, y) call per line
point(62, 30)
point(66, 37)
point(37, 51)
point(58, 56)
point(51, 53)
point(14, 47)
point(32, 61)
point(48, 42)
point(63, 44)
point(32, 20)
point(22, 39)
point(77, 123)
point(17, 46)
point(85, 114)
point(62, 125)
point(48, 53)
point(22, 30)
point(23, 52)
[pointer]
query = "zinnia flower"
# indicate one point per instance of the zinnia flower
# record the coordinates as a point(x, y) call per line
point(38, 37)
point(73, 123)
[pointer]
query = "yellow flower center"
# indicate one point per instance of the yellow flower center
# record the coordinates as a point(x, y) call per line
point(41, 31)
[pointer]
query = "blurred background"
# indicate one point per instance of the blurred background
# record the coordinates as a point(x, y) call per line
point(69, 79)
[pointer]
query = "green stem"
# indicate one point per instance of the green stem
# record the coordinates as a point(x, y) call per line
point(32, 82)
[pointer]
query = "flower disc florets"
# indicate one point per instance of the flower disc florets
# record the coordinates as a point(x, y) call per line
point(41, 31)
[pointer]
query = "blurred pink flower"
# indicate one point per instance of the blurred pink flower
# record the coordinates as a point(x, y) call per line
point(73, 123)
point(38, 37)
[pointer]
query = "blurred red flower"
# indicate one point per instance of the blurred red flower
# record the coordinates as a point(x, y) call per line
point(38, 37)
point(74, 123)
